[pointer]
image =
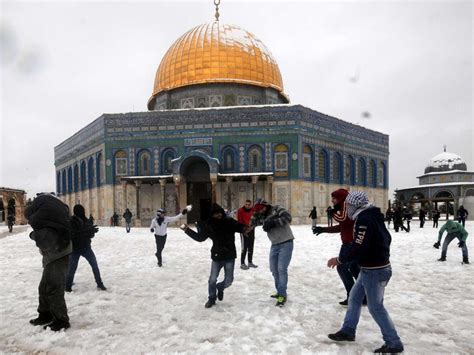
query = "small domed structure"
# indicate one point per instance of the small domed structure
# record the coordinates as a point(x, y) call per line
point(446, 162)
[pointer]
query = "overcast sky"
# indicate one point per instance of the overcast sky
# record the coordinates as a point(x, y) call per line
point(407, 63)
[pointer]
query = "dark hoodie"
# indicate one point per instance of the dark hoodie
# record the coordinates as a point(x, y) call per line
point(82, 230)
point(221, 232)
point(371, 243)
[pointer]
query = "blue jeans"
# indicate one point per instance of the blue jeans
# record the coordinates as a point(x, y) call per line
point(216, 267)
point(371, 282)
point(349, 271)
point(128, 225)
point(89, 255)
point(280, 257)
point(449, 238)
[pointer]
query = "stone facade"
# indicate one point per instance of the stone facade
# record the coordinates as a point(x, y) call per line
point(15, 197)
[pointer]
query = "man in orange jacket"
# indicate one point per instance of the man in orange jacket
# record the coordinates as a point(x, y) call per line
point(349, 271)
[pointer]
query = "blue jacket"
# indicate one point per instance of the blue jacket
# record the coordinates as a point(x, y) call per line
point(371, 244)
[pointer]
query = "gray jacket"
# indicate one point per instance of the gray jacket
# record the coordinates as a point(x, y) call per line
point(51, 246)
point(282, 218)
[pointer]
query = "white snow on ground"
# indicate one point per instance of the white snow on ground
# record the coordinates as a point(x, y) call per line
point(161, 310)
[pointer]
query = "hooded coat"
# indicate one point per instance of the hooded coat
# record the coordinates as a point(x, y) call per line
point(221, 232)
point(82, 230)
point(346, 225)
point(452, 227)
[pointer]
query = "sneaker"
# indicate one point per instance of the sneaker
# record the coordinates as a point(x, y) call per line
point(244, 267)
point(160, 264)
point(388, 350)
point(42, 319)
point(465, 260)
point(253, 265)
point(57, 325)
point(102, 287)
point(274, 295)
point(210, 302)
point(281, 300)
point(341, 336)
point(220, 295)
point(344, 303)
point(442, 259)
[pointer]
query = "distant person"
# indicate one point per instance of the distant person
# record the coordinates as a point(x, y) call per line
point(115, 218)
point(275, 220)
point(221, 230)
point(462, 215)
point(159, 227)
point(128, 220)
point(407, 216)
point(454, 230)
point(244, 214)
point(436, 216)
point(329, 215)
point(49, 218)
point(313, 215)
point(371, 249)
point(10, 222)
point(82, 233)
point(398, 220)
point(422, 217)
point(388, 216)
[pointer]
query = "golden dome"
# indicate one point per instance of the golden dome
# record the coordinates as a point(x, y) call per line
point(217, 53)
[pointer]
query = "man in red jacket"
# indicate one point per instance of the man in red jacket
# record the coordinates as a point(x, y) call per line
point(244, 214)
point(349, 271)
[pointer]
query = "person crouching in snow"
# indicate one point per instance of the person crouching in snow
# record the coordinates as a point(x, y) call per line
point(159, 227)
point(221, 230)
point(49, 217)
point(82, 233)
point(454, 230)
point(371, 248)
point(275, 220)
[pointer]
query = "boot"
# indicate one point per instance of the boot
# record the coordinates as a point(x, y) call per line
point(341, 336)
point(443, 258)
point(102, 287)
point(43, 318)
point(57, 325)
point(388, 350)
point(210, 302)
point(465, 260)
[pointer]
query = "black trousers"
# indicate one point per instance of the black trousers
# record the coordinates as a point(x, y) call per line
point(51, 290)
point(247, 246)
point(160, 245)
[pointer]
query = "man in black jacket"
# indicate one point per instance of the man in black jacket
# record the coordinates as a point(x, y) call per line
point(371, 249)
point(82, 233)
point(221, 230)
point(49, 218)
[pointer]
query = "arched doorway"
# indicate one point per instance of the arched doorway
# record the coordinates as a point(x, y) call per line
point(196, 173)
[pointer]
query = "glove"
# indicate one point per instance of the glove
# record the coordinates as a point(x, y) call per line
point(268, 225)
point(152, 230)
point(461, 244)
point(183, 212)
point(318, 230)
point(436, 245)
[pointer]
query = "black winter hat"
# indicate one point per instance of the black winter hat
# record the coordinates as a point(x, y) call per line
point(215, 208)
point(79, 211)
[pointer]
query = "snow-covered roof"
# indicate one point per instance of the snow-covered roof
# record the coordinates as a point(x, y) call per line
point(446, 172)
point(445, 162)
point(246, 174)
point(437, 185)
point(143, 177)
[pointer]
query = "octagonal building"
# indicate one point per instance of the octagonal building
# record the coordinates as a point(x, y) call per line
point(219, 128)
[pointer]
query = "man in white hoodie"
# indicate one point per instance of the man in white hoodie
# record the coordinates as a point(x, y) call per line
point(159, 226)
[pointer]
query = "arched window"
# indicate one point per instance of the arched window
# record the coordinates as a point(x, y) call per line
point(144, 163)
point(58, 183)
point(382, 175)
point(83, 176)
point(99, 168)
point(255, 159)
point(69, 180)
point(307, 162)
point(64, 189)
point(167, 156)
point(76, 178)
point(121, 163)
point(323, 165)
point(337, 175)
point(361, 172)
point(228, 159)
point(90, 173)
point(372, 174)
point(470, 192)
point(349, 170)
point(281, 159)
